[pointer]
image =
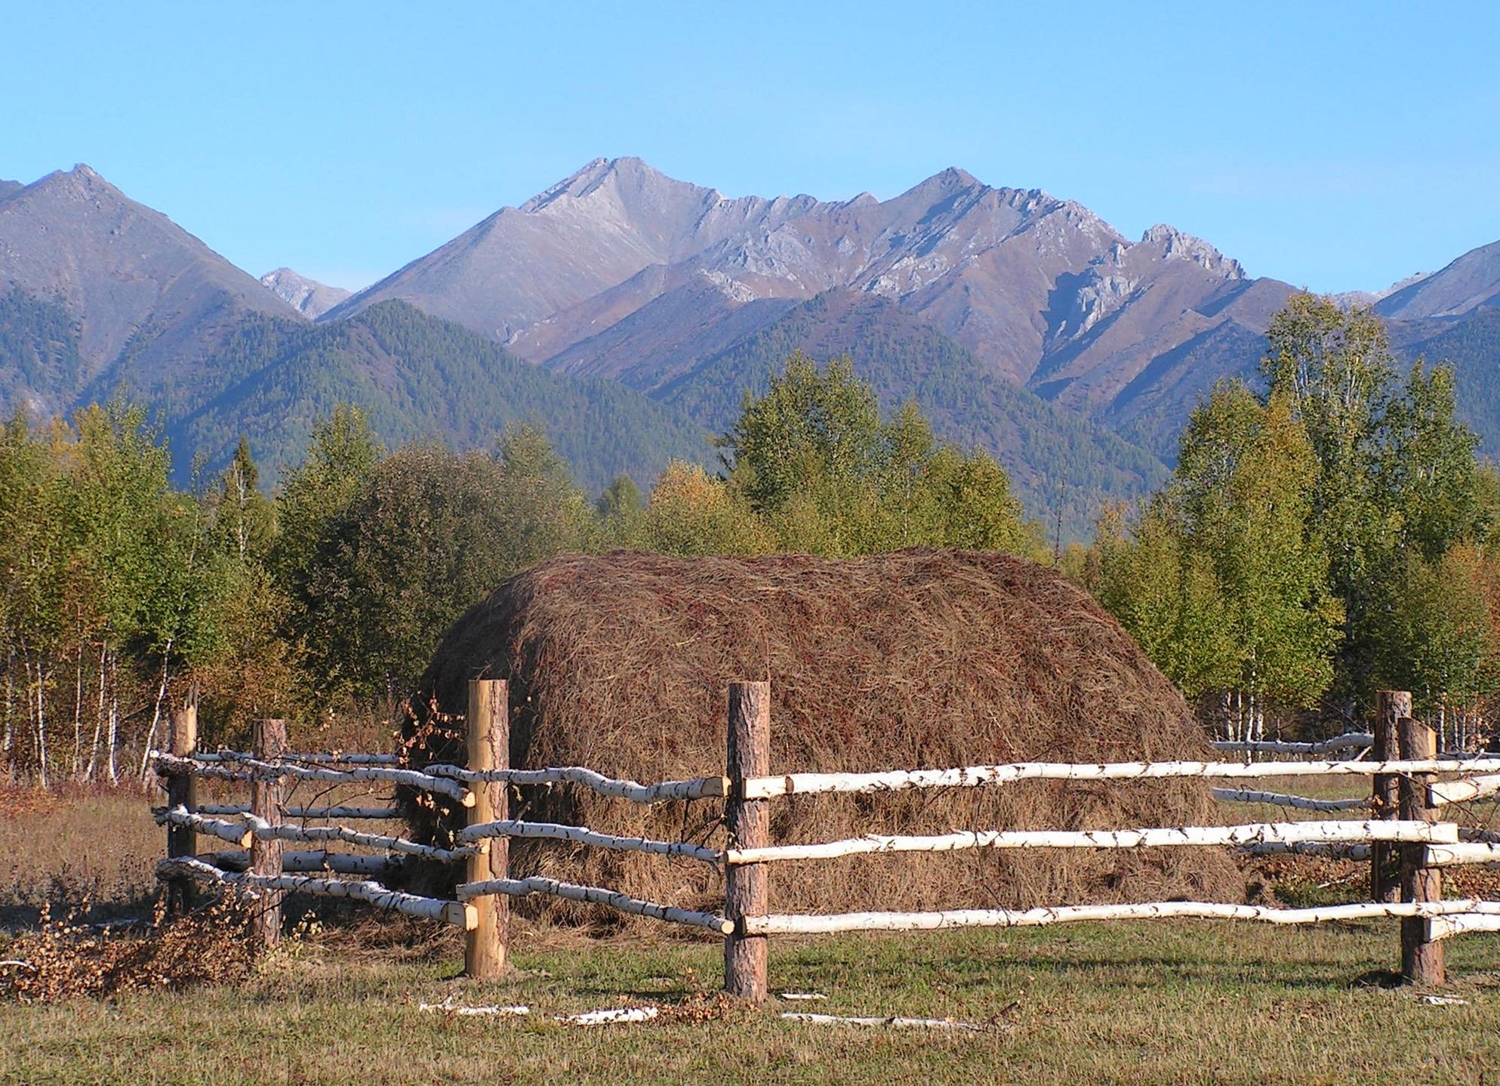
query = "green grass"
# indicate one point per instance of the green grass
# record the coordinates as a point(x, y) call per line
point(1136, 1003)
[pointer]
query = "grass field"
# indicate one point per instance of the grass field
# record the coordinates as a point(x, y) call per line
point(1180, 1003)
point(1128, 1003)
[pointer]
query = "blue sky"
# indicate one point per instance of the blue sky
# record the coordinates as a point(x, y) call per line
point(1334, 145)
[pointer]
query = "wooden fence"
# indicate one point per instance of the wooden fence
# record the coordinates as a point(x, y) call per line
point(1403, 834)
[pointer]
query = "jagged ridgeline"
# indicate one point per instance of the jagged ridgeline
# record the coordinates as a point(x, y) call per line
point(917, 659)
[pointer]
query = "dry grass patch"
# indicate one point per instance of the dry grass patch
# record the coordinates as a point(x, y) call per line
point(76, 845)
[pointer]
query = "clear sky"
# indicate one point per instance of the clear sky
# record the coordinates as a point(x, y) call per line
point(1334, 145)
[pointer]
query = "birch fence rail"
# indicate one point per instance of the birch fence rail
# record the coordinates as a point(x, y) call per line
point(1408, 827)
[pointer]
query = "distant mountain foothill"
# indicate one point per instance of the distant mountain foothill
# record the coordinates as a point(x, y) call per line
point(628, 313)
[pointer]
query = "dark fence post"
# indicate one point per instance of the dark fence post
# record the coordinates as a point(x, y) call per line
point(182, 791)
point(1390, 706)
point(266, 796)
point(749, 824)
point(488, 725)
point(1422, 958)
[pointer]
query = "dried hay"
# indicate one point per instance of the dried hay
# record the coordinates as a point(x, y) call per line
point(914, 659)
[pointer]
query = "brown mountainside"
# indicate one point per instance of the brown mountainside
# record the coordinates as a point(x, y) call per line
point(143, 291)
point(622, 271)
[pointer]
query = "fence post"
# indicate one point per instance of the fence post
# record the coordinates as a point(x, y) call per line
point(266, 796)
point(182, 790)
point(486, 943)
point(1390, 706)
point(749, 824)
point(1422, 959)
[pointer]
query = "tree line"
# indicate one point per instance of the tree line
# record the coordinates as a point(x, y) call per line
point(322, 600)
point(1324, 535)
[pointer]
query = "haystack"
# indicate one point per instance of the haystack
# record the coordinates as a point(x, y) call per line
point(918, 659)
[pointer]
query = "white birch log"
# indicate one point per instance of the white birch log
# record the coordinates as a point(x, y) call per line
point(888, 1023)
point(609, 1016)
point(384, 814)
point(1347, 741)
point(597, 896)
point(244, 769)
point(634, 791)
point(1062, 914)
point(974, 776)
point(1335, 850)
point(448, 912)
point(302, 862)
point(1461, 791)
point(1281, 799)
point(582, 835)
point(1444, 927)
point(1253, 833)
point(263, 829)
point(1465, 852)
point(234, 832)
point(327, 758)
point(461, 1011)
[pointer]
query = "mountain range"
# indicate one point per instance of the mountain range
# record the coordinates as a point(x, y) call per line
point(629, 313)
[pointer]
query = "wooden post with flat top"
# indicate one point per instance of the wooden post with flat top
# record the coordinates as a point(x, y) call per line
point(1422, 958)
point(749, 824)
point(182, 791)
point(486, 943)
point(266, 798)
point(1390, 706)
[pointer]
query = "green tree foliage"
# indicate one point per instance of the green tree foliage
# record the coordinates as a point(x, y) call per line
point(1319, 511)
point(312, 509)
point(108, 593)
point(622, 513)
point(693, 514)
point(1395, 473)
point(1167, 596)
point(379, 556)
point(814, 459)
point(1225, 579)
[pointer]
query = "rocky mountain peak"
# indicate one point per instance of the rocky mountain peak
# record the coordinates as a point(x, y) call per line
point(1176, 244)
point(309, 297)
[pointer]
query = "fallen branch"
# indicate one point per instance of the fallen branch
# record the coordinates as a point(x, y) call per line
point(610, 1017)
point(467, 1012)
point(889, 1023)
